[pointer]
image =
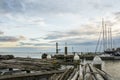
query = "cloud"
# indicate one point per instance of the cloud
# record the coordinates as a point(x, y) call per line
point(67, 20)
point(17, 6)
point(117, 16)
point(10, 38)
point(11, 6)
point(85, 43)
point(100, 5)
point(35, 44)
point(76, 41)
point(22, 37)
point(48, 6)
point(81, 32)
point(1, 32)
point(34, 39)
point(20, 49)
point(54, 36)
point(23, 43)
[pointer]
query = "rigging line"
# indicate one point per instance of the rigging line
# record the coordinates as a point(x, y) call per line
point(98, 41)
point(111, 37)
point(106, 37)
point(101, 42)
point(103, 27)
point(100, 49)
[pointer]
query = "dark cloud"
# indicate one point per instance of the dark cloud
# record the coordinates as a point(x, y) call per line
point(22, 37)
point(83, 31)
point(117, 16)
point(34, 39)
point(23, 43)
point(116, 20)
point(117, 13)
point(19, 49)
point(54, 36)
point(76, 41)
point(85, 43)
point(14, 6)
point(44, 44)
point(34, 44)
point(4, 38)
point(10, 39)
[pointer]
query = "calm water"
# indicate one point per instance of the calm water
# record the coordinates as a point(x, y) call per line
point(111, 67)
point(23, 54)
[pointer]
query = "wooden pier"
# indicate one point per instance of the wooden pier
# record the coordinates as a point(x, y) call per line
point(89, 72)
point(48, 70)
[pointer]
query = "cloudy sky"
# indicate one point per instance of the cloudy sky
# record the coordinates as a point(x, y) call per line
point(36, 25)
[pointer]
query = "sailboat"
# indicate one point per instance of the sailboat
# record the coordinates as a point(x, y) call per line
point(107, 41)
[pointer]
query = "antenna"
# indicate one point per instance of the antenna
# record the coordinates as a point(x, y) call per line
point(65, 48)
point(56, 48)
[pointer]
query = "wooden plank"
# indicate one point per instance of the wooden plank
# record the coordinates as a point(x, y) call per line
point(40, 74)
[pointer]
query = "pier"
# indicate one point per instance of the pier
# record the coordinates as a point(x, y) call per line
point(29, 64)
point(46, 69)
point(89, 72)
